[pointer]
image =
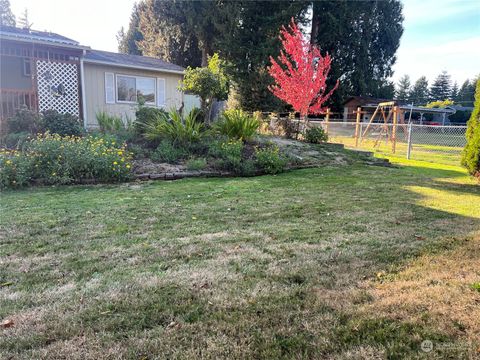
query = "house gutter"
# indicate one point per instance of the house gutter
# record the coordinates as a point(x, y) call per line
point(99, 62)
point(82, 84)
point(65, 45)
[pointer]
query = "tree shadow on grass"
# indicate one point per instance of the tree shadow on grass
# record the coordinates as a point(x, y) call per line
point(429, 292)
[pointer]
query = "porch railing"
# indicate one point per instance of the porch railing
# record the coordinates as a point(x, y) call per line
point(12, 99)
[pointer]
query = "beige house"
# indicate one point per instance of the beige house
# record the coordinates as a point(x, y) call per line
point(115, 83)
point(47, 71)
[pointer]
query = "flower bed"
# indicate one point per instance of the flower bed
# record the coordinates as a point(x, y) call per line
point(53, 159)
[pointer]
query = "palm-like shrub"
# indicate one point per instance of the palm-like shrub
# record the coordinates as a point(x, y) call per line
point(238, 125)
point(172, 126)
point(110, 123)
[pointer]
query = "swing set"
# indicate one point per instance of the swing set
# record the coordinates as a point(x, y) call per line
point(386, 128)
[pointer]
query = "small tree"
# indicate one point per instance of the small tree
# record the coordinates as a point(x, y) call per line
point(301, 72)
point(209, 83)
point(471, 153)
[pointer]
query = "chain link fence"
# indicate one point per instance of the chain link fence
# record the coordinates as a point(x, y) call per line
point(442, 144)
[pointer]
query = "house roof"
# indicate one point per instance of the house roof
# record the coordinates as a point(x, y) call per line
point(43, 37)
point(132, 61)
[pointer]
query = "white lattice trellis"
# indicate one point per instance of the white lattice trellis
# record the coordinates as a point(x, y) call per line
point(57, 84)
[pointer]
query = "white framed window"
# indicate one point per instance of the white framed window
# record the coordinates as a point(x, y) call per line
point(126, 89)
point(161, 92)
point(109, 88)
point(27, 67)
point(131, 89)
point(146, 89)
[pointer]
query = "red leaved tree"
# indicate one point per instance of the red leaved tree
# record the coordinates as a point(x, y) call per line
point(301, 73)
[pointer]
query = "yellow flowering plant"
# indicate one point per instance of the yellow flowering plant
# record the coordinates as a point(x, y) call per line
point(55, 159)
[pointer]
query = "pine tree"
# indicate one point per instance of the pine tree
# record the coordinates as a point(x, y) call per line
point(6, 16)
point(128, 41)
point(249, 37)
point(362, 37)
point(24, 22)
point(403, 88)
point(466, 94)
point(441, 88)
point(420, 92)
point(454, 94)
point(159, 29)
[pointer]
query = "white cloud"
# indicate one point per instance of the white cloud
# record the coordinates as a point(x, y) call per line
point(459, 58)
point(425, 11)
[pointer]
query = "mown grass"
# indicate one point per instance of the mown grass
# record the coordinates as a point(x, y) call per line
point(443, 154)
point(335, 262)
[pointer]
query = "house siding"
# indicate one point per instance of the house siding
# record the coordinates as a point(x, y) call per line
point(94, 82)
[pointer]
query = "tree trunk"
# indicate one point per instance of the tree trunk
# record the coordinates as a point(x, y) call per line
point(204, 57)
point(315, 23)
point(206, 52)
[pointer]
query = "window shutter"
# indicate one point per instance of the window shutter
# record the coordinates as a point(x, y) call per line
point(160, 92)
point(109, 88)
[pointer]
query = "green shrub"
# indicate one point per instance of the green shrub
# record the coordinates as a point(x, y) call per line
point(61, 124)
point(53, 159)
point(15, 140)
point(138, 151)
point(237, 124)
point(270, 160)
point(144, 116)
point(316, 135)
point(168, 152)
point(180, 131)
point(196, 164)
point(109, 123)
point(471, 152)
point(23, 121)
point(114, 125)
point(228, 155)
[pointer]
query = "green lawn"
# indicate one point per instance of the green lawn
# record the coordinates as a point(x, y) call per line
point(340, 262)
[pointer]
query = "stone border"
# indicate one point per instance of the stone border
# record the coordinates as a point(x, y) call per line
point(220, 174)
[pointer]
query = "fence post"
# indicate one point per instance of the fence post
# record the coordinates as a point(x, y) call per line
point(409, 140)
point(394, 129)
point(327, 119)
point(357, 125)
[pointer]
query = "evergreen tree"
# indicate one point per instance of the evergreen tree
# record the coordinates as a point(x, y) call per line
point(249, 37)
point(24, 22)
point(166, 34)
point(403, 88)
point(471, 153)
point(454, 94)
point(441, 88)
point(362, 37)
point(420, 93)
point(159, 29)
point(466, 94)
point(128, 41)
point(6, 16)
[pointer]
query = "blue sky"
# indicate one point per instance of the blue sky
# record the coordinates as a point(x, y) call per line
point(439, 34)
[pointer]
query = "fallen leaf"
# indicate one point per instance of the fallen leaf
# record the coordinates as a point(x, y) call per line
point(7, 323)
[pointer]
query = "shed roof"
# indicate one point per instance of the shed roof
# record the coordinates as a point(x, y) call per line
point(132, 61)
